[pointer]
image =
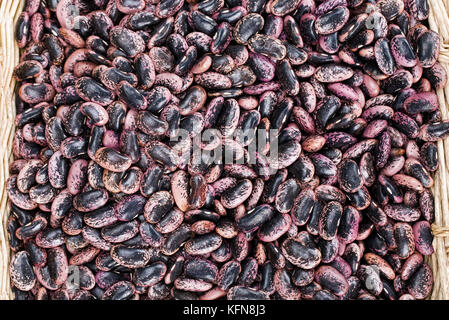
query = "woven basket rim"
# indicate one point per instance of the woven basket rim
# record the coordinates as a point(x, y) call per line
point(9, 57)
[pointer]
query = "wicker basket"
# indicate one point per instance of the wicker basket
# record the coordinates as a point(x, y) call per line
point(9, 57)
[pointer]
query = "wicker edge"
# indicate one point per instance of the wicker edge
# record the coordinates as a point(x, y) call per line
point(9, 57)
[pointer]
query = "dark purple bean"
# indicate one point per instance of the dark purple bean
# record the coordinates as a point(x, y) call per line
point(111, 77)
point(90, 90)
point(384, 56)
point(417, 170)
point(228, 274)
point(419, 9)
point(267, 46)
point(31, 229)
point(90, 200)
point(170, 221)
point(349, 224)
point(203, 244)
point(150, 235)
point(223, 253)
point(255, 219)
point(288, 78)
point(403, 234)
point(403, 52)
point(331, 279)
point(376, 214)
point(267, 274)
point(95, 239)
point(130, 96)
point(286, 194)
point(159, 204)
point(349, 176)
point(427, 48)
point(230, 15)
point(222, 38)
point(22, 31)
point(291, 28)
point(11, 227)
point(327, 192)
point(330, 220)
point(436, 75)
point(329, 43)
point(150, 275)
point(200, 269)
point(274, 228)
point(333, 73)
point(128, 41)
point(122, 290)
point(295, 56)
point(301, 277)
point(423, 237)
point(213, 80)
point(303, 206)
point(332, 21)
point(50, 238)
point(112, 160)
point(421, 283)
point(329, 250)
point(245, 293)
point(401, 79)
point(282, 7)
point(284, 286)
point(36, 93)
point(391, 8)
point(434, 131)
point(247, 27)
point(168, 8)
point(203, 23)
point(27, 70)
point(324, 167)
point(130, 257)
point(242, 76)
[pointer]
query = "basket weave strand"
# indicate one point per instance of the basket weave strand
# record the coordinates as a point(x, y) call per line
point(9, 57)
point(439, 22)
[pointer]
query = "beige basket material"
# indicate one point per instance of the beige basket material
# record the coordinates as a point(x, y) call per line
point(9, 57)
point(439, 22)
